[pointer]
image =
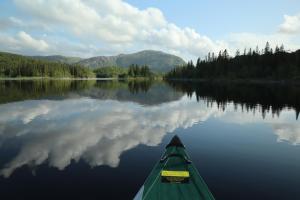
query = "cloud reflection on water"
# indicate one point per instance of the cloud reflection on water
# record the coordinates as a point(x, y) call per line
point(99, 131)
point(93, 130)
point(286, 127)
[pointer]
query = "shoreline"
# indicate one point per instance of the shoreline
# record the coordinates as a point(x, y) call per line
point(252, 81)
point(52, 78)
point(68, 78)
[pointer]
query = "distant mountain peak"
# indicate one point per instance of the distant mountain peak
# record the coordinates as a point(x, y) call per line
point(157, 60)
point(58, 58)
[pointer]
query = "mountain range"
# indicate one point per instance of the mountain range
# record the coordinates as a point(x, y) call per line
point(157, 61)
point(58, 58)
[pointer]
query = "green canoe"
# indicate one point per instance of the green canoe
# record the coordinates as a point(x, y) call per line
point(174, 177)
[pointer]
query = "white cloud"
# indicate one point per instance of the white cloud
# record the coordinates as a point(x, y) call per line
point(90, 28)
point(22, 41)
point(251, 40)
point(291, 24)
point(117, 23)
point(112, 21)
point(31, 42)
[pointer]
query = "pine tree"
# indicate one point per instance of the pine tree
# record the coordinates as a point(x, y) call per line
point(208, 57)
point(198, 63)
point(281, 48)
point(267, 48)
point(220, 55)
point(257, 49)
point(225, 54)
point(277, 50)
point(250, 52)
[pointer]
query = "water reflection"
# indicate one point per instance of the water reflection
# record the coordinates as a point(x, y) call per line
point(143, 92)
point(288, 132)
point(268, 100)
point(286, 127)
point(251, 96)
point(93, 130)
point(98, 121)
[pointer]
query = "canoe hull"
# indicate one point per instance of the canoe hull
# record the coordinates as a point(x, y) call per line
point(183, 180)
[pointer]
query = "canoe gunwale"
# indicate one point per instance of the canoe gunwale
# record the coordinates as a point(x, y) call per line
point(176, 160)
point(165, 157)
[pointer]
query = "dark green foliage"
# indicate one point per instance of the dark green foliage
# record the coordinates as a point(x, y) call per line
point(251, 65)
point(134, 71)
point(110, 72)
point(12, 65)
point(272, 97)
point(139, 86)
point(139, 71)
point(142, 91)
point(20, 90)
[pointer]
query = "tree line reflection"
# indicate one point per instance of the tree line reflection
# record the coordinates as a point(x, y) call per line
point(16, 90)
point(146, 92)
point(251, 97)
point(263, 97)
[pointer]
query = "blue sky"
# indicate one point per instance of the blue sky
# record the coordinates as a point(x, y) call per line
point(218, 17)
point(189, 28)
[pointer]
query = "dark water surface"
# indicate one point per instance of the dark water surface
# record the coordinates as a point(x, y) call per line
point(100, 139)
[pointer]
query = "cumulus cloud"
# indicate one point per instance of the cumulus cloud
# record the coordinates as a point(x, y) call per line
point(286, 35)
point(251, 40)
point(112, 21)
point(31, 42)
point(291, 24)
point(97, 131)
point(119, 25)
point(22, 41)
point(91, 28)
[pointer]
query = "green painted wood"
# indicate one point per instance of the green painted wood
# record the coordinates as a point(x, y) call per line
point(154, 188)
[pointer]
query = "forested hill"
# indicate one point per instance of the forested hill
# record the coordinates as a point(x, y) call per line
point(156, 60)
point(13, 65)
point(252, 64)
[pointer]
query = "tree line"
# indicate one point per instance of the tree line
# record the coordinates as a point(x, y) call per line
point(109, 72)
point(139, 71)
point(12, 65)
point(133, 71)
point(251, 64)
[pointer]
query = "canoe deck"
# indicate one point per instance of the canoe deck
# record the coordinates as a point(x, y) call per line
point(174, 177)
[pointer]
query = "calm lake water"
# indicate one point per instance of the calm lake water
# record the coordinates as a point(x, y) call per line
point(100, 139)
